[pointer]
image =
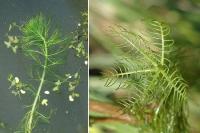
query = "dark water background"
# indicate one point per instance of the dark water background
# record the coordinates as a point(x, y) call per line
point(65, 14)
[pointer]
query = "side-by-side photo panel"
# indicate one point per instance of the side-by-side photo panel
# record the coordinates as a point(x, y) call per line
point(44, 66)
point(144, 66)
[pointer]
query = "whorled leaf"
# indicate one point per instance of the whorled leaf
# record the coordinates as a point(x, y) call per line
point(159, 96)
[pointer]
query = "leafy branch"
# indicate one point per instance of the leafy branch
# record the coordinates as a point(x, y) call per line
point(45, 46)
point(159, 96)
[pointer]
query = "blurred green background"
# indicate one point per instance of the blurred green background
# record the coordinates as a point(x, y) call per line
point(183, 16)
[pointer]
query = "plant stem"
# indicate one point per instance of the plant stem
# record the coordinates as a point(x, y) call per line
point(30, 120)
point(163, 45)
point(137, 71)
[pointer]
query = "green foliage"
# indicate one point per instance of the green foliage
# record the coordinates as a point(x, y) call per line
point(43, 44)
point(81, 37)
point(182, 16)
point(69, 81)
point(38, 43)
point(158, 92)
point(17, 86)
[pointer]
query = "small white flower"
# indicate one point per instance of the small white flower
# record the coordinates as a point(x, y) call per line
point(66, 112)
point(46, 92)
point(16, 80)
point(70, 77)
point(23, 91)
point(79, 24)
point(44, 102)
point(86, 62)
point(71, 99)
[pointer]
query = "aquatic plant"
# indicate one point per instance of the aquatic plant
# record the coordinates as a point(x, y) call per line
point(158, 96)
point(45, 46)
point(81, 37)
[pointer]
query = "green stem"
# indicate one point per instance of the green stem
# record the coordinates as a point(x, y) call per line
point(137, 71)
point(163, 45)
point(30, 120)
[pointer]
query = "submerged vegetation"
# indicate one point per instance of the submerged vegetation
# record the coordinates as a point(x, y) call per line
point(158, 96)
point(81, 37)
point(106, 113)
point(39, 41)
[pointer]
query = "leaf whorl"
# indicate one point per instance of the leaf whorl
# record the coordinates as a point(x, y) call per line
point(38, 36)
